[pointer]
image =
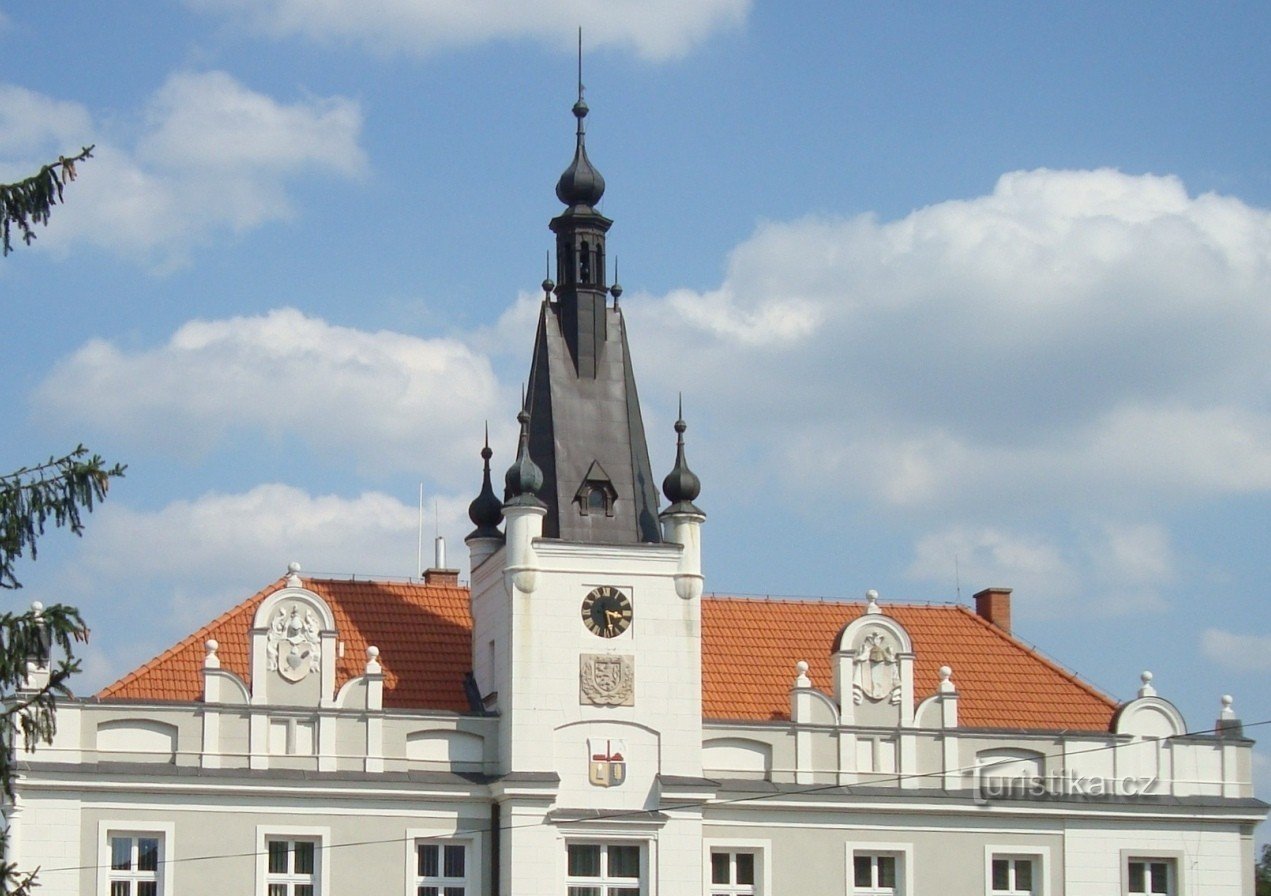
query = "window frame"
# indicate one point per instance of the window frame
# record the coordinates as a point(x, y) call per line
point(1173, 858)
point(163, 831)
point(760, 849)
point(474, 862)
point(1038, 855)
point(319, 836)
point(902, 852)
point(604, 882)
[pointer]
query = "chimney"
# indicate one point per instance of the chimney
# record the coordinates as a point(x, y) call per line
point(438, 574)
point(994, 605)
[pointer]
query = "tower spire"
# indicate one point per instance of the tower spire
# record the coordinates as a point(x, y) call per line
point(585, 429)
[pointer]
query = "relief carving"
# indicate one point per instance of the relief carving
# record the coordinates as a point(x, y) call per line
point(606, 680)
point(875, 670)
point(294, 649)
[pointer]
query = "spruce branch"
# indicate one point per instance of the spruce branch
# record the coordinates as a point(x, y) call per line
point(29, 202)
point(58, 491)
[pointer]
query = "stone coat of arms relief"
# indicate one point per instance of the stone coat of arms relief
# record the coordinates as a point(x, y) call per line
point(875, 670)
point(606, 679)
point(294, 649)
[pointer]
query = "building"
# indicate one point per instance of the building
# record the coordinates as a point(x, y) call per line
point(582, 719)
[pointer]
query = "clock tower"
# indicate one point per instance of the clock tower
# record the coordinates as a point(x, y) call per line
point(586, 606)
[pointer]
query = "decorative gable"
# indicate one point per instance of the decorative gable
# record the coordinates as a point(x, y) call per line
point(293, 648)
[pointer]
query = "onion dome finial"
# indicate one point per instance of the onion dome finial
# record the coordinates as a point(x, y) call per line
point(581, 184)
point(681, 485)
point(485, 511)
point(523, 478)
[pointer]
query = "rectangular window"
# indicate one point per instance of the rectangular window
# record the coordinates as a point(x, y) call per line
point(134, 865)
point(441, 869)
point(874, 874)
point(1012, 876)
point(733, 873)
point(604, 869)
point(1151, 877)
point(291, 867)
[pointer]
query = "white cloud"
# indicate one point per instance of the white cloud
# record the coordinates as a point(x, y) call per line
point(1240, 652)
point(390, 402)
point(656, 29)
point(1088, 339)
point(210, 155)
point(1104, 569)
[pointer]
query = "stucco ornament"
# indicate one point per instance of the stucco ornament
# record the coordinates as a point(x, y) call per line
point(875, 670)
point(293, 647)
point(606, 679)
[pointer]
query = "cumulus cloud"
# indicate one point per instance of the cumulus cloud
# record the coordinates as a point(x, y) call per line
point(656, 29)
point(388, 401)
point(1233, 650)
point(209, 155)
point(185, 563)
point(1103, 569)
point(1080, 338)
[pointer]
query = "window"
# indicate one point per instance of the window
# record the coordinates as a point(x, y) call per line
point(134, 865)
point(1150, 877)
point(732, 873)
point(874, 874)
point(1011, 876)
point(604, 869)
point(291, 869)
point(441, 869)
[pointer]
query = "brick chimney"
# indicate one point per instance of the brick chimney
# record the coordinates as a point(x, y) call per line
point(436, 576)
point(994, 605)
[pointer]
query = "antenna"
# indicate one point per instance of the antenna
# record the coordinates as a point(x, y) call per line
point(419, 558)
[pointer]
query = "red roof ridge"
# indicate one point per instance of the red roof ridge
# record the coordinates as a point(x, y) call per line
point(1032, 650)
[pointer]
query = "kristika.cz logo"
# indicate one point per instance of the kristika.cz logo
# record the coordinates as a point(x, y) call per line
point(991, 784)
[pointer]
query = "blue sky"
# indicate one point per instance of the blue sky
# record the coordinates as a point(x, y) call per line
point(957, 296)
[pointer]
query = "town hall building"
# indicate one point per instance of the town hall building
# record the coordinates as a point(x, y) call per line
point(584, 719)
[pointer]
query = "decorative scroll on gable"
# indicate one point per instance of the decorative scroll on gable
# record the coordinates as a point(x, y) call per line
point(873, 663)
point(293, 647)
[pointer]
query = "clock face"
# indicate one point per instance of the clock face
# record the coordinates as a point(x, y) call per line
point(606, 612)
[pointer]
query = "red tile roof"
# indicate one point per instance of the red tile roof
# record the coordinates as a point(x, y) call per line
point(424, 634)
point(749, 648)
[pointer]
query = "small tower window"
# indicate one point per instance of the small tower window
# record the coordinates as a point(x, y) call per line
point(584, 263)
point(596, 495)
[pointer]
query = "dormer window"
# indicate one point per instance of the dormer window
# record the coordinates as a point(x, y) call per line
point(596, 495)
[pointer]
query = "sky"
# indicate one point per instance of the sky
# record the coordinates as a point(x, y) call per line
point(957, 296)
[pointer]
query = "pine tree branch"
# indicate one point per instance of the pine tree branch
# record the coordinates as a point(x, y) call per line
point(58, 491)
point(30, 201)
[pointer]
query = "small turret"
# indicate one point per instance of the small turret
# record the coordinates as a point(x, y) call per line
point(485, 511)
point(682, 521)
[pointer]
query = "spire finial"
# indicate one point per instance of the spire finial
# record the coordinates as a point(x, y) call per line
point(616, 289)
point(524, 478)
point(581, 184)
point(681, 485)
point(548, 285)
point(485, 511)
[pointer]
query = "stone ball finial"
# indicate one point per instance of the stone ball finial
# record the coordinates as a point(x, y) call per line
point(1146, 690)
point(945, 673)
point(372, 652)
point(212, 645)
point(801, 667)
point(1227, 700)
point(293, 567)
point(1146, 677)
point(871, 599)
point(37, 607)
